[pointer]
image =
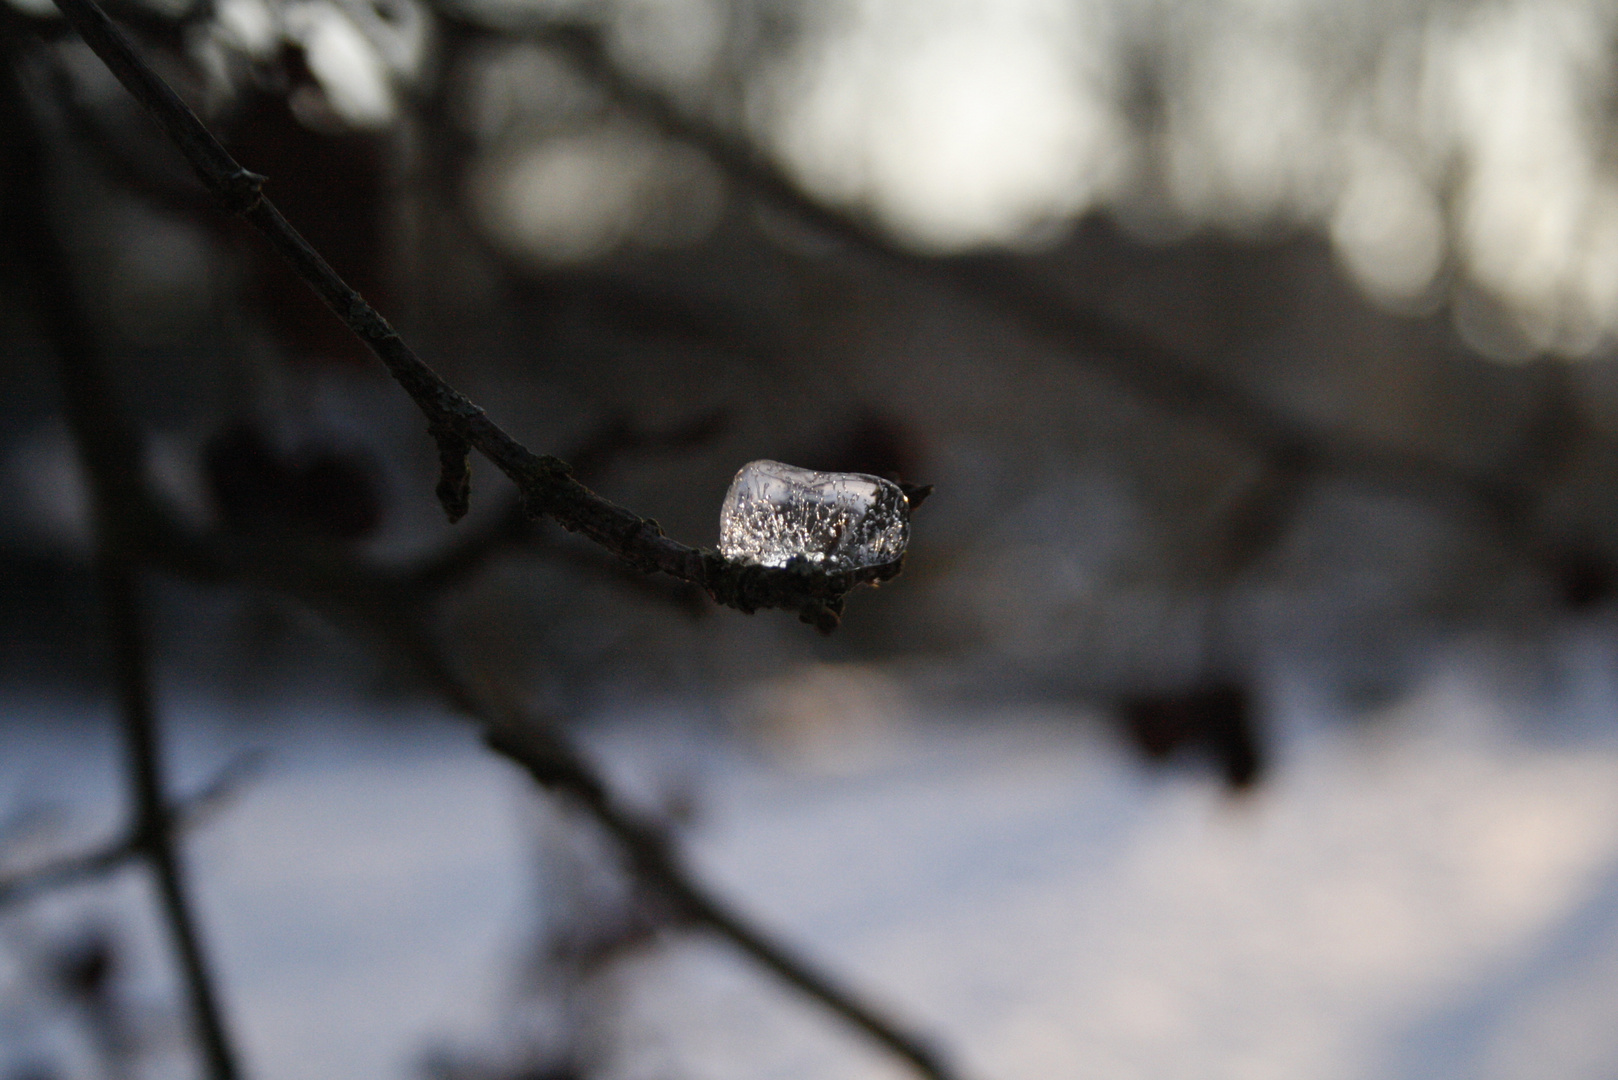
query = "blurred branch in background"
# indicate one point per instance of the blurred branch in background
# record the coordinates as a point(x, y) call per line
point(1294, 452)
point(191, 812)
point(111, 454)
point(112, 457)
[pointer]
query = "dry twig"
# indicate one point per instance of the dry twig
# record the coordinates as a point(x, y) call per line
point(183, 816)
point(546, 483)
point(116, 499)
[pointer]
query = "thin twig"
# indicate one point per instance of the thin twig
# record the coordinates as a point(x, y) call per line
point(187, 814)
point(109, 451)
point(545, 482)
point(613, 438)
point(120, 599)
point(68, 870)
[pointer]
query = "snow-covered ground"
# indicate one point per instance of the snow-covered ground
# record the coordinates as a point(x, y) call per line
point(1434, 895)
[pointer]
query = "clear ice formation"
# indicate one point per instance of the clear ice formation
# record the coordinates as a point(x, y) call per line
point(837, 521)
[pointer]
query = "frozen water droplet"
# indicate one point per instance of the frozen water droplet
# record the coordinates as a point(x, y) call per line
point(838, 521)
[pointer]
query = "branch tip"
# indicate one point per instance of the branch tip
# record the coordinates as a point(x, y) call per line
point(241, 191)
point(824, 617)
point(454, 472)
point(916, 494)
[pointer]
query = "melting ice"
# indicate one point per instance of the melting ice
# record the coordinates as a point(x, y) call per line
point(838, 521)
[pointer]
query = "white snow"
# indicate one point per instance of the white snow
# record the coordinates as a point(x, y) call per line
point(1432, 896)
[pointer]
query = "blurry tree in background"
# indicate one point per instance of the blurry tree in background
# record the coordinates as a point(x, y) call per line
point(1236, 338)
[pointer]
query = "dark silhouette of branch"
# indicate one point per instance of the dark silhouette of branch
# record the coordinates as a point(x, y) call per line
point(132, 665)
point(108, 449)
point(653, 857)
point(545, 483)
point(183, 816)
point(513, 529)
point(68, 870)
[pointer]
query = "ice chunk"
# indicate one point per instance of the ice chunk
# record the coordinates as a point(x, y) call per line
point(837, 521)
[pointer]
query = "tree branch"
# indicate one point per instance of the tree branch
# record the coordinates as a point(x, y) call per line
point(68, 870)
point(132, 667)
point(545, 483)
point(111, 456)
point(181, 817)
point(614, 437)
